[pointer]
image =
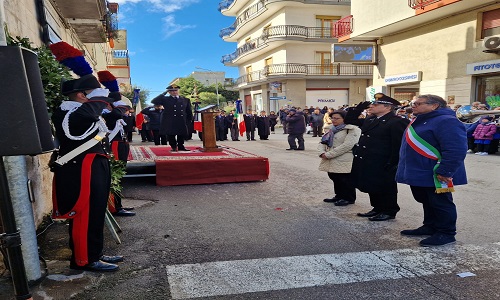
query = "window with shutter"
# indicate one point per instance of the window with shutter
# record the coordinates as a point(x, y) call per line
point(491, 23)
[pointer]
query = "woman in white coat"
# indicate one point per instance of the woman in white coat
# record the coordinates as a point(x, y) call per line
point(336, 158)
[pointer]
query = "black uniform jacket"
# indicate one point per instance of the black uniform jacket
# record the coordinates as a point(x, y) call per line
point(176, 116)
point(377, 153)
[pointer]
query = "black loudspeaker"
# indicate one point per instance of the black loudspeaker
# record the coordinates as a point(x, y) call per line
point(24, 124)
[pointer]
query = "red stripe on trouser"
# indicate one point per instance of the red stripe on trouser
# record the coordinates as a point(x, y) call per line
point(114, 149)
point(81, 219)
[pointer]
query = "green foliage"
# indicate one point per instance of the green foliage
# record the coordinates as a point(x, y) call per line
point(118, 170)
point(188, 85)
point(229, 95)
point(207, 98)
point(206, 94)
point(51, 71)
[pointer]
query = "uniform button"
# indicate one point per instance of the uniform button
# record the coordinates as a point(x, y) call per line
point(364, 146)
point(367, 135)
point(175, 115)
point(355, 156)
point(362, 134)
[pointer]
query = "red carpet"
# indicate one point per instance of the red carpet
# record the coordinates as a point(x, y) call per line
point(196, 167)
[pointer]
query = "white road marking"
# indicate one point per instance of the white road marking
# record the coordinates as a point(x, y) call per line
point(269, 274)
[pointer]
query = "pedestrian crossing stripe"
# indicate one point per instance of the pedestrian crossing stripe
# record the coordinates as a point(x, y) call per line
point(281, 273)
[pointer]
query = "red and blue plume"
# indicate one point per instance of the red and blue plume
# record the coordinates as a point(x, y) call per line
point(71, 57)
point(108, 80)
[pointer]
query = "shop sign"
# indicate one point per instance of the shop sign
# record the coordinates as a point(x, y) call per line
point(490, 66)
point(329, 98)
point(275, 87)
point(403, 78)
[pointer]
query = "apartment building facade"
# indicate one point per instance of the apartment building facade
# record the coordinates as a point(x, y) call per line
point(445, 47)
point(283, 54)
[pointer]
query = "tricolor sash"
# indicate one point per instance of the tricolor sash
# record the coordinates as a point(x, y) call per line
point(425, 149)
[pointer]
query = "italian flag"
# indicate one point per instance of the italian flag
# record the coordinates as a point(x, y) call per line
point(425, 149)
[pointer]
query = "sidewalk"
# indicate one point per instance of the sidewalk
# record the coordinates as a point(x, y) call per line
point(283, 216)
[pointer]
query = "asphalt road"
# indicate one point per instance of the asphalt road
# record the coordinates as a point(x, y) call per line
point(277, 239)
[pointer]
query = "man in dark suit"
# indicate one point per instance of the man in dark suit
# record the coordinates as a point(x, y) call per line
point(221, 126)
point(376, 156)
point(250, 125)
point(175, 118)
point(154, 114)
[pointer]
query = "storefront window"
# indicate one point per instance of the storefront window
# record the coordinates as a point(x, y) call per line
point(488, 91)
point(405, 93)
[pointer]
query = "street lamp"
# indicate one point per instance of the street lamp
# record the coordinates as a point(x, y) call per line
point(216, 83)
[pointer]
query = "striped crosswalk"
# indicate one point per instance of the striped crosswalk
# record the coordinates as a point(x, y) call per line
point(281, 273)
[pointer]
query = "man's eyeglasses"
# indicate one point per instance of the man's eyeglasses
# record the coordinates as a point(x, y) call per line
point(418, 103)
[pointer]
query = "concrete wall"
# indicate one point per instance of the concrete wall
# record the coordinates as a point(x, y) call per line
point(440, 50)
point(369, 15)
point(296, 91)
point(21, 17)
point(357, 90)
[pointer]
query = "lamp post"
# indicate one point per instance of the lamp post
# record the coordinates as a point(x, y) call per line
point(216, 83)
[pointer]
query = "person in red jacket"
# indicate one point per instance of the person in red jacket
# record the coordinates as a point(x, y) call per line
point(484, 134)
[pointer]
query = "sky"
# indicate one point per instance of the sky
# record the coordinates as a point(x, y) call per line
point(170, 38)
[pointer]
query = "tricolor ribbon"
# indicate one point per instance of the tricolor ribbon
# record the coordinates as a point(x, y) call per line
point(427, 150)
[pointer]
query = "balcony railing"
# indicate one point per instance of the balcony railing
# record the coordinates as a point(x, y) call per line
point(119, 53)
point(343, 26)
point(280, 31)
point(243, 17)
point(256, 8)
point(306, 70)
point(419, 4)
point(247, 47)
point(224, 4)
point(297, 30)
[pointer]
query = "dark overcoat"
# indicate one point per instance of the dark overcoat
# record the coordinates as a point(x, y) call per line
point(250, 122)
point(154, 117)
point(296, 123)
point(377, 153)
point(263, 125)
point(176, 116)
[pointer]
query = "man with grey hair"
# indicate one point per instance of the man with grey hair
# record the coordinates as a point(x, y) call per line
point(431, 162)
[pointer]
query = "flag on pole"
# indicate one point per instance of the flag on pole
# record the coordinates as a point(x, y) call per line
point(242, 126)
point(135, 100)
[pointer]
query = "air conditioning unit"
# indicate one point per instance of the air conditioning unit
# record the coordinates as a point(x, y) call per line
point(491, 44)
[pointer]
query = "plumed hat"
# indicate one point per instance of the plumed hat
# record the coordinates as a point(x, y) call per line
point(384, 99)
point(109, 81)
point(73, 58)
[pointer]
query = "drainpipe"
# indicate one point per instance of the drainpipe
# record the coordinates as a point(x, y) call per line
point(11, 239)
point(17, 176)
point(42, 20)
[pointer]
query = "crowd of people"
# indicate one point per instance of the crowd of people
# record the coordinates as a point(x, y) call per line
point(375, 145)
point(370, 147)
